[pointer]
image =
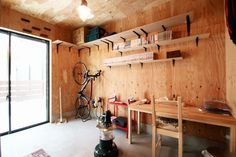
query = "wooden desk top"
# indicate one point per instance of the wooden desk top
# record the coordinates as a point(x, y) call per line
point(189, 113)
point(118, 103)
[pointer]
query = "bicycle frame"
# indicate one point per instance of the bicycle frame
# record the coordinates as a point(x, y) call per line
point(88, 79)
point(82, 102)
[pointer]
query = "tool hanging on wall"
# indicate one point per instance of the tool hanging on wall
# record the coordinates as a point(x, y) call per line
point(61, 119)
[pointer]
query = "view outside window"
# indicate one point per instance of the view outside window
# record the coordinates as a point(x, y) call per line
point(28, 82)
point(27, 76)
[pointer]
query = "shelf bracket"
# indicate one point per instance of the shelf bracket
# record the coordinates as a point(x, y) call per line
point(112, 43)
point(121, 53)
point(89, 51)
point(86, 48)
point(164, 28)
point(123, 39)
point(159, 47)
point(141, 65)
point(146, 33)
point(197, 41)
point(137, 34)
point(129, 65)
point(81, 49)
point(145, 49)
point(188, 24)
point(173, 62)
point(106, 43)
point(79, 52)
point(58, 47)
point(70, 48)
point(96, 46)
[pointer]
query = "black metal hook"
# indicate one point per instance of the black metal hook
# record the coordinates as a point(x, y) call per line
point(112, 43)
point(58, 47)
point(141, 65)
point(137, 34)
point(106, 43)
point(164, 28)
point(123, 39)
point(197, 41)
point(97, 46)
point(146, 33)
point(159, 47)
point(70, 48)
point(188, 24)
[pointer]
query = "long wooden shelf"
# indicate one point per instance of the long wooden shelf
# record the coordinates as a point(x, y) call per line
point(166, 42)
point(156, 26)
point(65, 43)
point(184, 39)
point(144, 61)
point(172, 21)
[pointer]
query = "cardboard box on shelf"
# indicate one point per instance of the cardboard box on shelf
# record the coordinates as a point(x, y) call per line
point(79, 35)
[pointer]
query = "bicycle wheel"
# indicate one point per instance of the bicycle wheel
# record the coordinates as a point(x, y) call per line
point(82, 108)
point(79, 73)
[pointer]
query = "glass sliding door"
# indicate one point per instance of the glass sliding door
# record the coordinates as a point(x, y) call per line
point(24, 81)
point(4, 82)
point(29, 104)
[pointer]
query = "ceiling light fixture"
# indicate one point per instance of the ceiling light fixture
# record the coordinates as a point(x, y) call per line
point(84, 11)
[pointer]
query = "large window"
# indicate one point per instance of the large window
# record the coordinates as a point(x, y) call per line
point(24, 85)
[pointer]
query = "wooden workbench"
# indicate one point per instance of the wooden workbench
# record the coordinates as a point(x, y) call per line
point(189, 114)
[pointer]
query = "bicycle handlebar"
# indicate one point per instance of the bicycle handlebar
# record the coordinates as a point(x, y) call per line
point(95, 75)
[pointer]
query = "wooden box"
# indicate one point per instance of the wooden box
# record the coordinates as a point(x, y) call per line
point(173, 54)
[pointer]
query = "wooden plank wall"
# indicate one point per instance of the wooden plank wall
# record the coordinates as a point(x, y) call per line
point(63, 61)
point(200, 76)
point(24, 23)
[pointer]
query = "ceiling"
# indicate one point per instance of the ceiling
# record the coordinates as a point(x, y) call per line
point(64, 12)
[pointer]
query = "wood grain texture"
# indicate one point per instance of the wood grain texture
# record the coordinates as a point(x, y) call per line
point(65, 12)
point(200, 76)
point(13, 20)
point(62, 62)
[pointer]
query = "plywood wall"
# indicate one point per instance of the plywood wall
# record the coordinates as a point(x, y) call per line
point(200, 76)
point(24, 23)
point(63, 61)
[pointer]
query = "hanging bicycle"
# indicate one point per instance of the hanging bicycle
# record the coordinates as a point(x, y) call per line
point(82, 77)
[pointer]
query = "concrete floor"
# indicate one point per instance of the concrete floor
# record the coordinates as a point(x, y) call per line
point(78, 139)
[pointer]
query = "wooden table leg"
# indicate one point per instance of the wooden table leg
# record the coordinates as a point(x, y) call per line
point(233, 140)
point(130, 126)
point(138, 131)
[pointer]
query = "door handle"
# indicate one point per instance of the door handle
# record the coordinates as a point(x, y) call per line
point(7, 97)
